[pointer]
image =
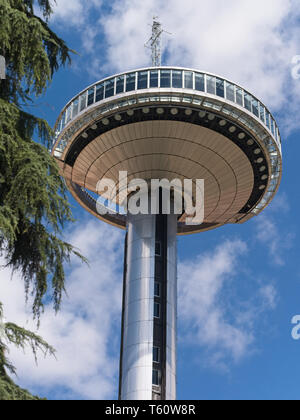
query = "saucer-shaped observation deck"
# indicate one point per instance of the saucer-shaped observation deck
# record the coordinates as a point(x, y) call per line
point(172, 123)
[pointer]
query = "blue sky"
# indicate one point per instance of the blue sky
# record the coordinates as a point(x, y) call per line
point(239, 286)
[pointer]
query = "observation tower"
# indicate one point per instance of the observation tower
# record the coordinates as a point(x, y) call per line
point(164, 123)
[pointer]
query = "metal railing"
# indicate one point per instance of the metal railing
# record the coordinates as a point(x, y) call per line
point(166, 78)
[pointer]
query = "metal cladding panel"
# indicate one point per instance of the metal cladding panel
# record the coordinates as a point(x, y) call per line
point(137, 383)
point(140, 249)
point(140, 287)
point(135, 362)
point(137, 358)
point(172, 273)
point(171, 313)
point(142, 332)
point(171, 150)
point(139, 310)
point(171, 337)
point(142, 396)
point(171, 329)
point(139, 321)
point(141, 268)
point(171, 386)
point(172, 290)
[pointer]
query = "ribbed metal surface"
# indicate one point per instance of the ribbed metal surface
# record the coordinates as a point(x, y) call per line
point(138, 315)
point(191, 81)
point(155, 150)
point(171, 329)
point(138, 311)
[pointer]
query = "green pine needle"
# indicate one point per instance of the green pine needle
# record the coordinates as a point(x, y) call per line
point(33, 202)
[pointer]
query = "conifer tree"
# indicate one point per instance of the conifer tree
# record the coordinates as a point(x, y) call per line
point(33, 201)
point(12, 334)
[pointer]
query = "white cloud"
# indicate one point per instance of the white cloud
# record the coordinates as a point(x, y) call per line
point(269, 235)
point(75, 12)
point(271, 231)
point(86, 331)
point(249, 42)
point(78, 16)
point(83, 332)
point(227, 332)
point(269, 296)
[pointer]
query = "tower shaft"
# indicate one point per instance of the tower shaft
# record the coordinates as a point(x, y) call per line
point(148, 345)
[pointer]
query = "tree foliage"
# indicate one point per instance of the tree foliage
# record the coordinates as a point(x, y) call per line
point(9, 391)
point(33, 203)
point(32, 50)
point(13, 334)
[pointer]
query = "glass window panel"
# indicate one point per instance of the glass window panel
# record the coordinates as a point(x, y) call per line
point(177, 79)
point(130, 82)
point(75, 107)
point(156, 310)
point(99, 92)
point(63, 119)
point(154, 79)
point(268, 116)
point(220, 88)
point(197, 101)
point(278, 135)
point(262, 113)
point(230, 92)
point(272, 126)
point(187, 100)
point(158, 249)
point(156, 354)
point(188, 80)
point(91, 94)
point(83, 101)
point(199, 82)
point(165, 78)
point(239, 96)
point(155, 377)
point(68, 114)
point(255, 107)
point(120, 85)
point(211, 84)
point(59, 126)
point(109, 88)
point(142, 80)
point(248, 101)
point(157, 289)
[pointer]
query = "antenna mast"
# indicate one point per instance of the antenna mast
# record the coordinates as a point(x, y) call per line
point(155, 42)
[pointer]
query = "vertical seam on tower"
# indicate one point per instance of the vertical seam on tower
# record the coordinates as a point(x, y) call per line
point(123, 318)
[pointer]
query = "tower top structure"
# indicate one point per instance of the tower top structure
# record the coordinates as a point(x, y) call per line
point(171, 124)
point(211, 128)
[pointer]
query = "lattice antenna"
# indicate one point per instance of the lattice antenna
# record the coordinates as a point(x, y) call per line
point(155, 42)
